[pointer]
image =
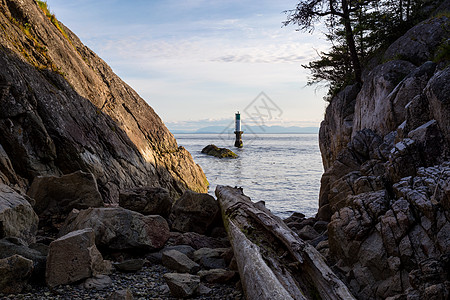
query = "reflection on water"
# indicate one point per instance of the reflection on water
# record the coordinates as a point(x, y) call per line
point(282, 170)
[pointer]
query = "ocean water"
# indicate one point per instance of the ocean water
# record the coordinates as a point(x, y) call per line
point(284, 170)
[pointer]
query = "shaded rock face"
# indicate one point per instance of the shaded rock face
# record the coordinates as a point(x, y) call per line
point(386, 150)
point(12, 246)
point(14, 273)
point(64, 110)
point(55, 197)
point(147, 201)
point(194, 212)
point(120, 229)
point(17, 217)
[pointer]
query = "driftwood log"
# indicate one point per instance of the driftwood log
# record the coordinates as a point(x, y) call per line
point(274, 263)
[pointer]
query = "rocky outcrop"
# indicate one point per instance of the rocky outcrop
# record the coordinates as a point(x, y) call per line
point(17, 217)
point(74, 257)
point(64, 110)
point(120, 229)
point(386, 148)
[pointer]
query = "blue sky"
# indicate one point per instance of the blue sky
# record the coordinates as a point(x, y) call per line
point(197, 62)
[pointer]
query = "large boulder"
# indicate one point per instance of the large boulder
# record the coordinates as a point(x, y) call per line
point(120, 229)
point(17, 217)
point(74, 257)
point(14, 273)
point(147, 200)
point(55, 196)
point(194, 212)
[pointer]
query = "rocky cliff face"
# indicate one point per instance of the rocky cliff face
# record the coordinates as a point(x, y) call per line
point(63, 109)
point(386, 188)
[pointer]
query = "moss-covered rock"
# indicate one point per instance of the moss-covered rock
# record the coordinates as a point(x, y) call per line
point(219, 152)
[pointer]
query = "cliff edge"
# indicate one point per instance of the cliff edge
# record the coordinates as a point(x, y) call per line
point(63, 109)
point(385, 147)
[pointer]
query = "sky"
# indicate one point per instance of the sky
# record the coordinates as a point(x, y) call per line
point(197, 62)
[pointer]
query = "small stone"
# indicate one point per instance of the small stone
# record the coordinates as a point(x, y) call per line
point(98, 282)
point(216, 275)
point(179, 262)
point(131, 265)
point(121, 295)
point(182, 285)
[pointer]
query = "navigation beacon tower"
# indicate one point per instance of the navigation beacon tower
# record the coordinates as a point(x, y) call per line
point(238, 143)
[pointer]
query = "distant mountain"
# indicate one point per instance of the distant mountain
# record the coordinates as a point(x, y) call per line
point(253, 129)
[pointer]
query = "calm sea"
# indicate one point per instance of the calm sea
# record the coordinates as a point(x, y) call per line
point(283, 170)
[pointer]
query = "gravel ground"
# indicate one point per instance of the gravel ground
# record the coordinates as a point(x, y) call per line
point(148, 283)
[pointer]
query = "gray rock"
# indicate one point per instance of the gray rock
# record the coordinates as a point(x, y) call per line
point(121, 295)
point(185, 249)
point(194, 212)
point(17, 217)
point(307, 233)
point(418, 44)
point(120, 229)
point(14, 274)
point(130, 265)
point(74, 257)
point(179, 262)
point(147, 200)
point(9, 247)
point(182, 285)
point(216, 275)
point(198, 241)
point(98, 282)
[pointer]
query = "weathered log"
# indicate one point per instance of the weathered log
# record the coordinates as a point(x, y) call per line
point(274, 263)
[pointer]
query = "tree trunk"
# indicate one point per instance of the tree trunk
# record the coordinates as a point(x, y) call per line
point(274, 263)
point(350, 39)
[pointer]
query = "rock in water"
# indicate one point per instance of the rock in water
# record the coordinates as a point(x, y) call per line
point(194, 212)
point(120, 229)
point(17, 217)
point(147, 200)
point(14, 273)
point(74, 257)
point(63, 109)
point(213, 150)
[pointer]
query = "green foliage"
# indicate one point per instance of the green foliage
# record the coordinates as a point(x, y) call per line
point(367, 25)
point(44, 7)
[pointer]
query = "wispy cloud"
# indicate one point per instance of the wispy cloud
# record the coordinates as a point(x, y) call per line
point(196, 59)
